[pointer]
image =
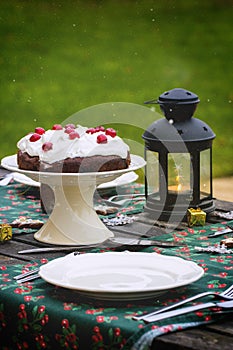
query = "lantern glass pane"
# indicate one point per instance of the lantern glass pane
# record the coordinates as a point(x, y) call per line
point(179, 166)
point(152, 171)
point(205, 173)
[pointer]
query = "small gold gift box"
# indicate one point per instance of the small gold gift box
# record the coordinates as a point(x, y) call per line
point(5, 232)
point(196, 217)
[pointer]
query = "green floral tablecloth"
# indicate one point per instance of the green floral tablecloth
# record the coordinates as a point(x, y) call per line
point(37, 315)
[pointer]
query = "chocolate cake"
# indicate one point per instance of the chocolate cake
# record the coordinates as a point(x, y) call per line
point(73, 149)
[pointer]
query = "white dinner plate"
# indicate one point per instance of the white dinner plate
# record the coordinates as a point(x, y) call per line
point(120, 275)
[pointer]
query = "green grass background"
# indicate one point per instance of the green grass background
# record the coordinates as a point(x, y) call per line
point(59, 57)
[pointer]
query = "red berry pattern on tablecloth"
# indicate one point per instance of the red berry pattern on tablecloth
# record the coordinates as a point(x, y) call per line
point(36, 309)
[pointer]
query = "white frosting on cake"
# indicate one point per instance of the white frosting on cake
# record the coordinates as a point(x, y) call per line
point(63, 147)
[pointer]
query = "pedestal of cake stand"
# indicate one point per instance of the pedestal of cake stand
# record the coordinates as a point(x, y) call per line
point(73, 220)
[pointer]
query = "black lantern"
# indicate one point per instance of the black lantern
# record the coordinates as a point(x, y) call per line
point(178, 151)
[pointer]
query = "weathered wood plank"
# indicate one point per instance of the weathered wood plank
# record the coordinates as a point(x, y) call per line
point(140, 229)
point(193, 339)
point(223, 328)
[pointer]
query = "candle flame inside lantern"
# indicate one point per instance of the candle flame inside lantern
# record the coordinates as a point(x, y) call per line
point(179, 186)
point(179, 181)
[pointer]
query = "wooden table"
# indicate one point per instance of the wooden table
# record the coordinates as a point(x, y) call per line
point(217, 336)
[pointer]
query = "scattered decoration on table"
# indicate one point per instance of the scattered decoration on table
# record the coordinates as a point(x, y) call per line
point(228, 242)
point(23, 222)
point(228, 229)
point(5, 233)
point(228, 215)
point(104, 210)
point(119, 220)
point(219, 249)
point(6, 179)
point(196, 217)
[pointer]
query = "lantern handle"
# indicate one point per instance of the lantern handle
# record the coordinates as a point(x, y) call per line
point(151, 101)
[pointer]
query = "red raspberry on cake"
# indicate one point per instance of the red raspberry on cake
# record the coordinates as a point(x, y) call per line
point(111, 132)
point(47, 146)
point(102, 138)
point(91, 131)
point(74, 135)
point(99, 128)
point(57, 127)
point(68, 130)
point(39, 130)
point(34, 137)
point(72, 126)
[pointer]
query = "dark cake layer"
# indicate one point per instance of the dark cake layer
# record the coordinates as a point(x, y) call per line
point(74, 165)
point(26, 162)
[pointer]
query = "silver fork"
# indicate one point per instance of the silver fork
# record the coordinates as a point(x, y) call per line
point(32, 274)
point(226, 295)
point(27, 276)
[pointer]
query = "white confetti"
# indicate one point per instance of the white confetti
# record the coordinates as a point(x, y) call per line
point(119, 220)
point(228, 215)
point(219, 249)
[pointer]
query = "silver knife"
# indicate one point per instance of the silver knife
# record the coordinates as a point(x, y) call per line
point(118, 241)
point(186, 310)
point(143, 242)
point(56, 249)
point(221, 232)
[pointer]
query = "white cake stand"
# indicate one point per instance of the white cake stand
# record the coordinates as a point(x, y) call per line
point(73, 220)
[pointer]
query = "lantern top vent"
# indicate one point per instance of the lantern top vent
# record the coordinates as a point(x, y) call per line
point(177, 104)
point(178, 96)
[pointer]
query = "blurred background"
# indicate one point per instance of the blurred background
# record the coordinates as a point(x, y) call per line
point(59, 57)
